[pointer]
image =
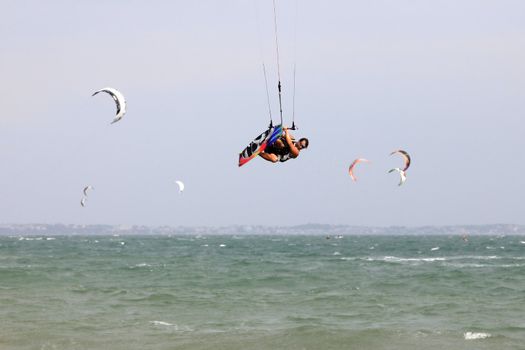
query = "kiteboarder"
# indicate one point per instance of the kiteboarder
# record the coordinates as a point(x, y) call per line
point(284, 148)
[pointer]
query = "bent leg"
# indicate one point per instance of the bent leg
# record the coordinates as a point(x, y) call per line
point(269, 157)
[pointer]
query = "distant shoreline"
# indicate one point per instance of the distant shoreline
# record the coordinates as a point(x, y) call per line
point(306, 229)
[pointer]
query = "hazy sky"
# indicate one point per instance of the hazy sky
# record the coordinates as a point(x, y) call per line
point(444, 80)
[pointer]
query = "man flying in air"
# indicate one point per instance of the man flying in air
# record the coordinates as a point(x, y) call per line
point(284, 148)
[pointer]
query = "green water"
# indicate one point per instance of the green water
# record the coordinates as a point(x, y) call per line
point(262, 292)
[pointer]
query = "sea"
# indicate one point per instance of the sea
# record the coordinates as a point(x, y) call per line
point(262, 292)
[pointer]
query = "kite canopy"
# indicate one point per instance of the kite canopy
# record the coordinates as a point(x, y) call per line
point(181, 185)
point(87, 189)
point(354, 163)
point(406, 157)
point(259, 144)
point(119, 99)
point(402, 175)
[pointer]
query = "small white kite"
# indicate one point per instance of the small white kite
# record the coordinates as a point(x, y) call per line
point(119, 100)
point(402, 174)
point(87, 189)
point(181, 185)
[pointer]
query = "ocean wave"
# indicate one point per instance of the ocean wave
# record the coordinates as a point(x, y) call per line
point(474, 265)
point(140, 265)
point(162, 298)
point(171, 326)
point(476, 335)
point(144, 266)
point(161, 323)
point(393, 259)
point(396, 259)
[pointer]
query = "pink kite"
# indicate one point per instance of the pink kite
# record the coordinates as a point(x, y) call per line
point(354, 163)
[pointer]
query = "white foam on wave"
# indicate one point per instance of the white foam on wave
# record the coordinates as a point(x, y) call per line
point(476, 335)
point(222, 245)
point(435, 248)
point(482, 257)
point(396, 259)
point(161, 323)
point(142, 265)
point(171, 326)
point(337, 253)
point(393, 259)
point(456, 265)
point(522, 242)
point(461, 260)
point(474, 257)
point(478, 265)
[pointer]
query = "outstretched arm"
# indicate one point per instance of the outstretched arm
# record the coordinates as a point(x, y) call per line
point(294, 152)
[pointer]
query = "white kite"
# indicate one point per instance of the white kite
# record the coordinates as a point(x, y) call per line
point(119, 100)
point(402, 174)
point(181, 185)
point(87, 189)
